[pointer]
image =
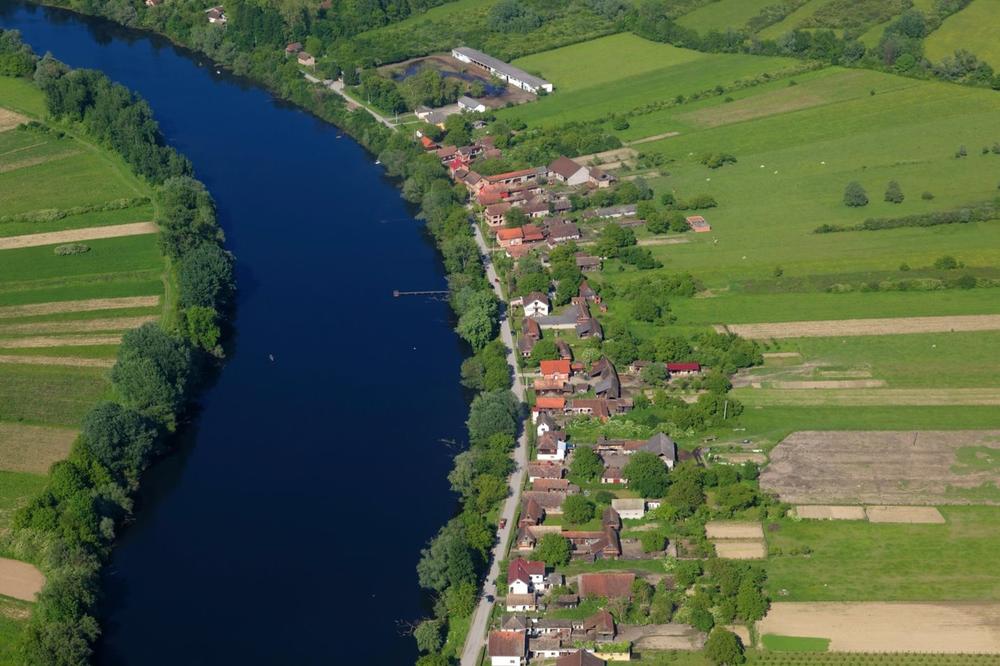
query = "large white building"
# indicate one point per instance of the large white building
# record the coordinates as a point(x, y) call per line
point(501, 70)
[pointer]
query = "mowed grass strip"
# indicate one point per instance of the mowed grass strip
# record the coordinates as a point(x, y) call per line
point(40, 341)
point(112, 255)
point(861, 561)
point(29, 448)
point(106, 361)
point(84, 305)
point(76, 326)
point(84, 220)
point(867, 327)
point(765, 397)
point(794, 643)
point(50, 395)
point(77, 235)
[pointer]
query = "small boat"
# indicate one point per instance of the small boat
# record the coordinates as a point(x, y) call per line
point(378, 161)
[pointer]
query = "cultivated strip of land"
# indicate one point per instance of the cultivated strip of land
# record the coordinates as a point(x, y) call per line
point(76, 235)
point(77, 326)
point(795, 397)
point(30, 448)
point(66, 361)
point(88, 305)
point(39, 342)
point(841, 327)
point(20, 579)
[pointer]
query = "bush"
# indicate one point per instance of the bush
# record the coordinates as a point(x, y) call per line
point(946, 263)
point(855, 195)
point(71, 248)
point(723, 648)
point(894, 193)
point(577, 510)
point(716, 160)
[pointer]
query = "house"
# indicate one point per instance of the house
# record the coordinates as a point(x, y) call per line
point(536, 304)
point(513, 177)
point(560, 231)
point(508, 237)
point(530, 233)
point(293, 48)
point(525, 576)
point(610, 518)
point(154, 3)
point(501, 70)
point(663, 447)
point(466, 103)
point(543, 424)
point(565, 170)
point(606, 585)
point(613, 474)
point(507, 648)
point(600, 626)
point(306, 59)
point(445, 153)
point(555, 370)
point(531, 513)
point(565, 351)
point(587, 263)
point(555, 486)
point(427, 143)
point(580, 658)
point(629, 508)
point(566, 601)
point(546, 648)
point(515, 622)
point(521, 603)
point(550, 502)
point(216, 15)
point(608, 385)
point(552, 446)
point(697, 224)
point(600, 179)
point(594, 545)
point(550, 404)
point(601, 408)
point(545, 470)
point(494, 214)
point(683, 369)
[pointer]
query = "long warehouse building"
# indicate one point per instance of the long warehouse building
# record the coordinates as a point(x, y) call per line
point(502, 70)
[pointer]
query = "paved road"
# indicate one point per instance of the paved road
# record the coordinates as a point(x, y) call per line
point(477, 631)
point(338, 87)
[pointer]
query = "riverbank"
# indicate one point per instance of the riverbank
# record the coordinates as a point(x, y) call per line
point(76, 175)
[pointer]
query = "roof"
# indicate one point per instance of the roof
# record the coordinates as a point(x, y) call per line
point(544, 470)
point(509, 234)
point(531, 328)
point(519, 600)
point(536, 296)
point(610, 585)
point(564, 230)
point(511, 174)
point(555, 367)
point(465, 100)
point(628, 504)
point(661, 445)
point(683, 367)
point(587, 260)
point(502, 67)
point(446, 151)
point(522, 569)
point(497, 209)
point(692, 219)
point(532, 510)
point(564, 166)
point(550, 402)
point(602, 621)
point(294, 47)
point(515, 622)
point(532, 233)
point(550, 485)
point(506, 644)
point(427, 142)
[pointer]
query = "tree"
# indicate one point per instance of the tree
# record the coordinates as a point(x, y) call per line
point(723, 648)
point(186, 216)
point(646, 474)
point(446, 560)
point(491, 413)
point(894, 193)
point(685, 494)
point(515, 217)
point(206, 277)
point(585, 466)
point(652, 541)
point(152, 372)
point(751, 604)
point(654, 374)
point(552, 549)
point(428, 635)
point(577, 510)
point(201, 327)
point(645, 307)
point(544, 350)
point(118, 438)
point(476, 327)
point(612, 238)
point(855, 195)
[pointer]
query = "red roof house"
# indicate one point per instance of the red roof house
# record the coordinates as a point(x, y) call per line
point(608, 585)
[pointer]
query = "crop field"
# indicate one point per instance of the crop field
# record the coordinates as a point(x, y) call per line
point(972, 29)
point(622, 72)
point(850, 560)
point(888, 627)
point(891, 467)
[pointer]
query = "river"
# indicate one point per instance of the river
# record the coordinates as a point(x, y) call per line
point(287, 529)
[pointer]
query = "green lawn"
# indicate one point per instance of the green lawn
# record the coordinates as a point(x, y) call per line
point(723, 15)
point(795, 643)
point(13, 619)
point(53, 395)
point(80, 288)
point(128, 254)
point(861, 561)
point(15, 488)
point(622, 72)
point(973, 29)
point(21, 96)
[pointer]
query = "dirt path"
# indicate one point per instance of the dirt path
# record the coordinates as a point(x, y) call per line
point(67, 361)
point(77, 326)
point(35, 161)
point(661, 241)
point(90, 305)
point(851, 327)
point(20, 579)
point(41, 341)
point(649, 139)
point(948, 627)
point(28, 448)
point(75, 235)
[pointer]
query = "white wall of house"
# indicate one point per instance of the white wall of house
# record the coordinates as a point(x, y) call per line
point(581, 177)
point(536, 309)
point(506, 661)
point(518, 587)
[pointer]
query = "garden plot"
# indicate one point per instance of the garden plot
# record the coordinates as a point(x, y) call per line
point(886, 468)
point(904, 514)
point(20, 580)
point(74, 235)
point(87, 305)
point(737, 541)
point(949, 627)
point(845, 327)
point(830, 512)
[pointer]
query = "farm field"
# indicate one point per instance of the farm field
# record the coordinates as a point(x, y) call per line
point(723, 14)
point(972, 29)
point(61, 315)
point(864, 561)
point(892, 467)
point(622, 72)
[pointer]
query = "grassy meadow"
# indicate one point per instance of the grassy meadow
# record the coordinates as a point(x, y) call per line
point(56, 342)
point(971, 29)
point(723, 15)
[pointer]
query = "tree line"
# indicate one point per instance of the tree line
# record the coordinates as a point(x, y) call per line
point(69, 528)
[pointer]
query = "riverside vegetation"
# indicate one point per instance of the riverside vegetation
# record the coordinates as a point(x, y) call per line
point(66, 525)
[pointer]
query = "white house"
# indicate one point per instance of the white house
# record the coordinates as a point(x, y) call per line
point(216, 15)
point(536, 305)
point(565, 170)
point(501, 70)
point(552, 446)
point(507, 648)
point(522, 603)
point(466, 103)
point(543, 423)
point(524, 576)
point(629, 508)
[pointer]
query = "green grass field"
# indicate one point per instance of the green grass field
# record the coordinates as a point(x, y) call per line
point(723, 15)
point(972, 29)
point(861, 561)
point(15, 488)
point(622, 72)
point(794, 643)
point(793, 20)
point(21, 96)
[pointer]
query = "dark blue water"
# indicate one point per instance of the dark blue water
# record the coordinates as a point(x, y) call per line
point(288, 530)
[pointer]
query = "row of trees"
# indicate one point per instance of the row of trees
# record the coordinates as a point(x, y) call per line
point(68, 529)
